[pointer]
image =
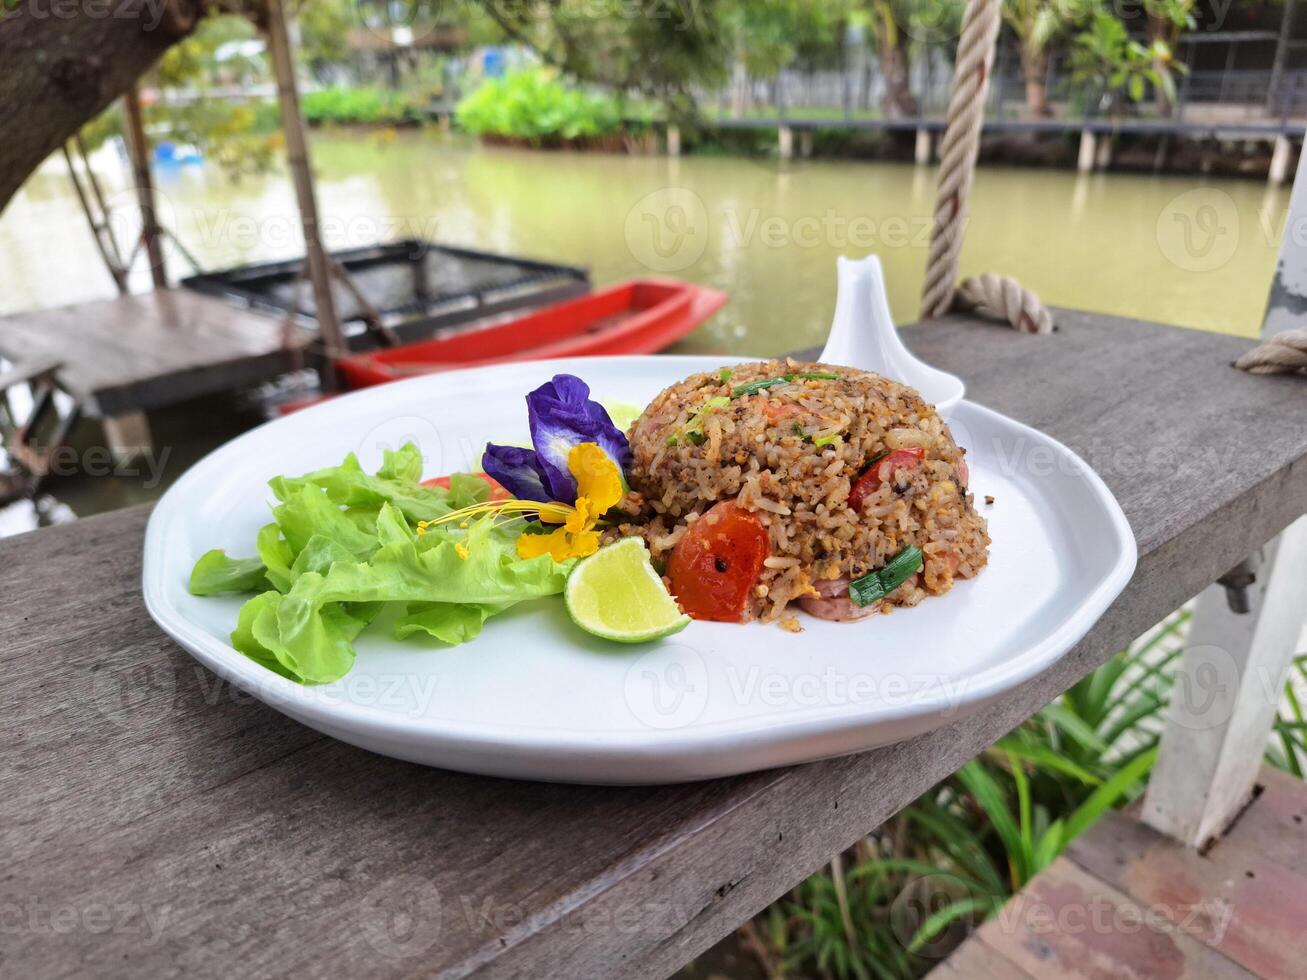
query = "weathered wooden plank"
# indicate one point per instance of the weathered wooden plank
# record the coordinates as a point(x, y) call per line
point(79, 726)
point(316, 840)
point(142, 352)
point(1240, 897)
point(975, 959)
point(1065, 924)
point(1275, 825)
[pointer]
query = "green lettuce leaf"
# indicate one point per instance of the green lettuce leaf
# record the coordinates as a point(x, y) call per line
point(344, 544)
point(396, 483)
point(449, 622)
point(216, 573)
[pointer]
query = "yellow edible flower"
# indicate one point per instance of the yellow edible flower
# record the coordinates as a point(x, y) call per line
point(598, 488)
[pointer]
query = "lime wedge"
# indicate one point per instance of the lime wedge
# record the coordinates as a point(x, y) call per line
point(616, 594)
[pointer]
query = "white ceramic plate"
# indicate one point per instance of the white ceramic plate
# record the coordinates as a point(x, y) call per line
point(535, 697)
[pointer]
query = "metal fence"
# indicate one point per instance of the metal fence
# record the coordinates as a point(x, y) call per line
point(858, 92)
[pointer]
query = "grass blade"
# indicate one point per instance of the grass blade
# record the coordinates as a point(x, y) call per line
point(1104, 797)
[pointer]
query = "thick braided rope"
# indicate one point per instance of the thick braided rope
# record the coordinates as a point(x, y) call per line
point(958, 151)
point(1283, 353)
point(1004, 299)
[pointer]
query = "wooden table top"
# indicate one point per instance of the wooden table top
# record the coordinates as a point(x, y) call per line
point(150, 350)
point(155, 821)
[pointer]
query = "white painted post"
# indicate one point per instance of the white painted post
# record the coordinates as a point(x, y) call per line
point(1225, 697)
point(1103, 158)
point(785, 142)
point(673, 140)
point(1232, 675)
point(1085, 163)
point(925, 148)
point(1279, 161)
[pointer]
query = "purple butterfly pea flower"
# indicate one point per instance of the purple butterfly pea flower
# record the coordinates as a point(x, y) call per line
point(517, 471)
point(561, 416)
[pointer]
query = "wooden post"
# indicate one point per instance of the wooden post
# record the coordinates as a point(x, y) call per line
point(98, 220)
point(1288, 294)
point(1088, 151)
point(805, 143)
point(1103, 157)
point(925, 147)
point(138, 148)
point(1240, 645)
point(1226, 695)
point(1279, 168)
point(673, 140)
point(785, 142)
point(292, 124)
point(128, 435)
point(1273, 99)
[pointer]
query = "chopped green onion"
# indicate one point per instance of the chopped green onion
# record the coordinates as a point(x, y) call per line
point(876, 585)
point(694, 425)
point(725, 374)
point(753, 387)
point(826, 440)
point(672, 440)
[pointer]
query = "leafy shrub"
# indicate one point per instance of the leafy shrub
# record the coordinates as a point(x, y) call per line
point(358, 105)
point(534, 105)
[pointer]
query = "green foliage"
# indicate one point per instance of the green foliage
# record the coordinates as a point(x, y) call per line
point(324, 27)
point(371, 105)
point(1288, 748)
point(1037, 23)
point(227, 131)
point(659, 50)
point(1106, 59)
point(767, 37)
point(535, 105)
point(919, 886)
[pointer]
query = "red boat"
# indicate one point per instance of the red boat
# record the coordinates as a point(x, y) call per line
point(639, 316)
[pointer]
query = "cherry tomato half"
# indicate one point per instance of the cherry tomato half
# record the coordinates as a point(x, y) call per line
point(880, 471)
point(497, 492)
point(717, 561)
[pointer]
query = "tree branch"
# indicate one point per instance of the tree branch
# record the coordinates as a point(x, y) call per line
point(63, 65)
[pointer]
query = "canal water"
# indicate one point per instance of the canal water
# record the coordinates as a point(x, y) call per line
point(1172, 249)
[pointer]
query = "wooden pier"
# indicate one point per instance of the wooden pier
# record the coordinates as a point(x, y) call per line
point(121, 357)
point(1126, 901)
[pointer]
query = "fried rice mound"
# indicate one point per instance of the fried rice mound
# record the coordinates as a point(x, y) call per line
point(790, 453)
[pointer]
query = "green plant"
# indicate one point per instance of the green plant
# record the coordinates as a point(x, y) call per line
point(1106, 59)
point(339, 105)
point(1038, 24)
point(1288, 748)
point(534, 105)
point(904, 897)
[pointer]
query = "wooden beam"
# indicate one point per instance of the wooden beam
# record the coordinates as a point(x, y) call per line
point(297, 154)
point(138, 148)
point(1239, 646)
point(1225, 697)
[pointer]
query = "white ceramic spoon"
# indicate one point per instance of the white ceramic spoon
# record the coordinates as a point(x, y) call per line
point(863, 335)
